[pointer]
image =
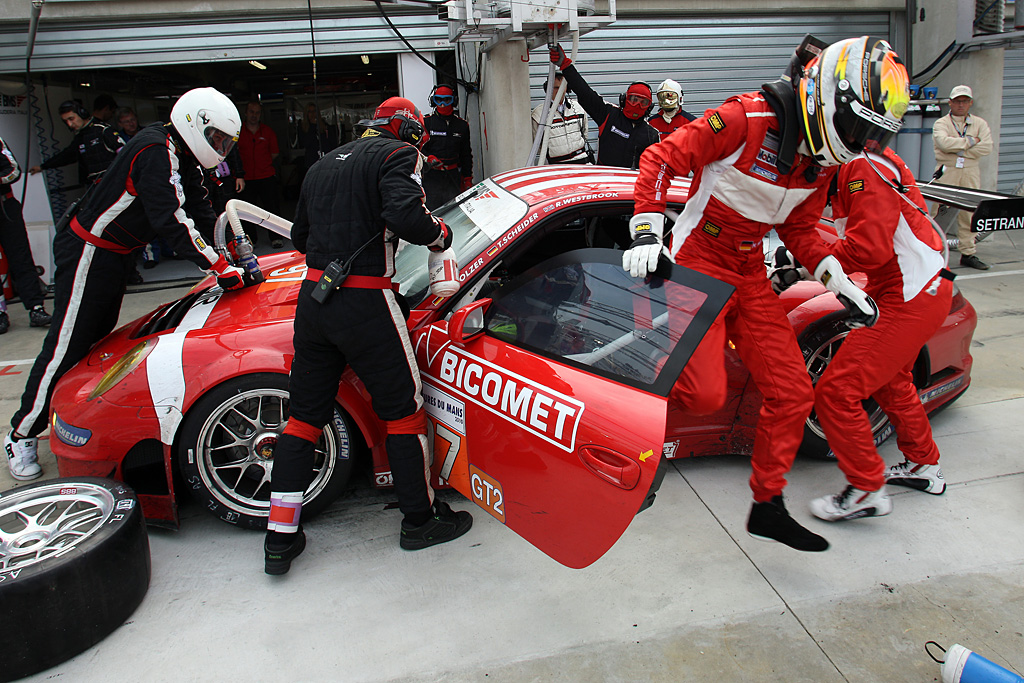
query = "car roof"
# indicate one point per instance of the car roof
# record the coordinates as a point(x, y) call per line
point(540, 184)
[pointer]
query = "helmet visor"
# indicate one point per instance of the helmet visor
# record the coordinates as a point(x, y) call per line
point(221, 142)
point(668, 99)
point(863, 128)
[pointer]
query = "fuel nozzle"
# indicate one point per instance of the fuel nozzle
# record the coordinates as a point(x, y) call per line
point(247, 260)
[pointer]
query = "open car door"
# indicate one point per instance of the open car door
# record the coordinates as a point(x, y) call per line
point(548, 403)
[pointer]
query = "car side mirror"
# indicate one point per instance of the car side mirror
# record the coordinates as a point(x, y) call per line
point(467, 323)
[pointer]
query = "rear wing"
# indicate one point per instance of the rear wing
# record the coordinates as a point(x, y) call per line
point(991, 210)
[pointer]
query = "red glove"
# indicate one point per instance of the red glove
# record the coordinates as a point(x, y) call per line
point(467, 183)
point(444, 240)
point(433, 162)
point(559, 58)
point(228, 277)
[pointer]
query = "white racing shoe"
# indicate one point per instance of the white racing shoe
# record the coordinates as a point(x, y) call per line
point(852, 503)
point(927, 478)
point(21, 458)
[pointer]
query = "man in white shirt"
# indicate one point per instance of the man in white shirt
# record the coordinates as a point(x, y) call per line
point(567, 141)
point(961, 139)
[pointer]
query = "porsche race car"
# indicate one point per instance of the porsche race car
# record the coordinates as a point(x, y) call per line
point(545, 377)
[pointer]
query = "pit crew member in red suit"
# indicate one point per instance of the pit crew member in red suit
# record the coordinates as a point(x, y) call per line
point(449, 153)
point(758, 164)
point(671, 115)
point(887, 235)
point(153, 188)
point(623, 133)
point(354, 205)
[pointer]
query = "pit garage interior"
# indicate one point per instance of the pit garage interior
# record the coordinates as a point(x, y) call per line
point(347, 91)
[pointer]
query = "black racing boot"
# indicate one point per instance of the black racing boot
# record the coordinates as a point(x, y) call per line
point(770, 522)
point(5, 322)
point(38, 317)
point(444, 525)
point(280, 549)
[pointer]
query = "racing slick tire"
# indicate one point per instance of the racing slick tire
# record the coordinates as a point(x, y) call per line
point(819, 345)
point(74, 565)
point(226, 450)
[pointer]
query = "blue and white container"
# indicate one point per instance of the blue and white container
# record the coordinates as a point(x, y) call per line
point(964, 666)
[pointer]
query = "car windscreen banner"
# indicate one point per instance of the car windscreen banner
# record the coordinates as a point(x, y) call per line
point(998, 214)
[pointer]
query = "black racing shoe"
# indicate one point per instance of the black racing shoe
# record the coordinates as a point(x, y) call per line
point(770, 522)
point(5, 322)
point(279, 555)
point(135, 277)
point(444, 525)
point(972, 261)
point(38, 317)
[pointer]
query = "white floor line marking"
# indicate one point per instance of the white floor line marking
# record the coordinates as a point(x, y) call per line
point(26, 361)
point(992, 274)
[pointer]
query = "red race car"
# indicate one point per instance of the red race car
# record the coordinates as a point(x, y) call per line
point(545, 376)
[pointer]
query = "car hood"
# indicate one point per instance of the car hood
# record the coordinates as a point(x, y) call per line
point(268, 303)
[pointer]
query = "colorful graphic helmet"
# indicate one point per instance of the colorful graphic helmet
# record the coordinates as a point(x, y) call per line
point(670, 95)
point(852, 97)
point(402, 118)
point(208, 123)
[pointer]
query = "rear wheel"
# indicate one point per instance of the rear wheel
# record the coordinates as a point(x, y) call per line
point(226, 450)
point(819, 346)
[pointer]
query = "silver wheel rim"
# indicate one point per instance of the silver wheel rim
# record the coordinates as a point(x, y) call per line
point(48, 521)
point(817, 362)
point(234, 463)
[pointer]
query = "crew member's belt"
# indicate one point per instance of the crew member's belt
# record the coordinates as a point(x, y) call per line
point(357, 281)
point(97, 241)
point(447, 167)
point(571, 156)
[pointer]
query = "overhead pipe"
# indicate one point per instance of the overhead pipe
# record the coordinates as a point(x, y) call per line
point(33, 26)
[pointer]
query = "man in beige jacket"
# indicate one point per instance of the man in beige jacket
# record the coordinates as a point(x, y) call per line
point(960, 141)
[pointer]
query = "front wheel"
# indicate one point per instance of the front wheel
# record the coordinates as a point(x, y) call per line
point(819, 346)
point(226, 451)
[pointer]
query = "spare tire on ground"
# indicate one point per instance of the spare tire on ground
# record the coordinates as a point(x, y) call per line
point(74, 565)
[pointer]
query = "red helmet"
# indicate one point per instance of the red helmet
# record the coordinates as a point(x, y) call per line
point(402, 118)
point(636, 102)
point(444, 99)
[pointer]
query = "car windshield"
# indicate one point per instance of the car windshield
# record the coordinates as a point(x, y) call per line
point(477, 219)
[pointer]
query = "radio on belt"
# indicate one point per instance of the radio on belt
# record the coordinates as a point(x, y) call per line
point(334, 275)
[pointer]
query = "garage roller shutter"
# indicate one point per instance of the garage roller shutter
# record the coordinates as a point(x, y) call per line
point(1011, 128)
point(103, 44)
point(712, 58)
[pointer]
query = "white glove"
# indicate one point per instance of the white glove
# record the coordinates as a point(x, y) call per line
point(862, 308)
point(641, 258)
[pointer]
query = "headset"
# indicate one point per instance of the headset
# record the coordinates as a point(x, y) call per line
point(409, 130)
point(75, 106)
point(455, 94)
point(622, 98)
point(544, 85)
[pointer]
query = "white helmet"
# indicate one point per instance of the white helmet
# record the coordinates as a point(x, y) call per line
point(670, 95)
point(208, 122)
